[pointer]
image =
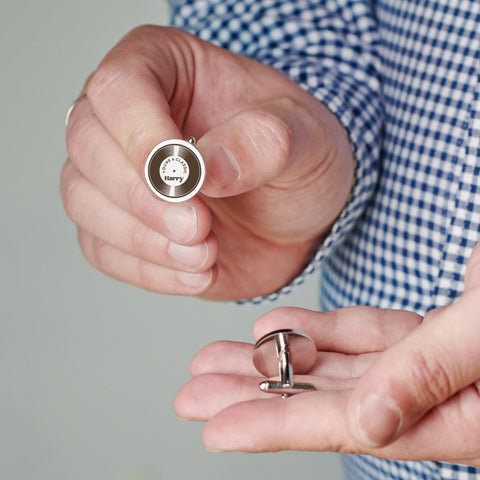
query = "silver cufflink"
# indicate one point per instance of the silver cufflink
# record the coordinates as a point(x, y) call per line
point(175, 170)
point(284, 353)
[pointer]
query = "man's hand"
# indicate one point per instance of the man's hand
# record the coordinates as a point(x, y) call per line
point(279, 169)
point(389, 384)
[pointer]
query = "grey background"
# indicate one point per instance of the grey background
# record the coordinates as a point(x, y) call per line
point(88, 366)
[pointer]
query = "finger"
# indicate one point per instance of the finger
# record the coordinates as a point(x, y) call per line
point(224, 357)
point(317, 422)
point(279, 145)
point(311, 421)
point(236, 358)
point(420, 372)
point(131, 88)
point(143, 274)
point(353, 330)
point(205, 395)
point(245, 152)
point(100, 159)
point(93, 212)
point(340, 365)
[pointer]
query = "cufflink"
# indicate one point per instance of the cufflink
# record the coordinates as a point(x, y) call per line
point(284, 353)
point(175, 170)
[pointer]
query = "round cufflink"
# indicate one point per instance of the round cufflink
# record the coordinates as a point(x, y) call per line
point(284, 353)
point(175, 170)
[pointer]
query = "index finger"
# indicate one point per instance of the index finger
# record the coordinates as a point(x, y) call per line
point(130, 93)
point(350, 330)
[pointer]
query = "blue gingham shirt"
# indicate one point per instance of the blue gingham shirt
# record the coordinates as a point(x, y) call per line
point(403, 79)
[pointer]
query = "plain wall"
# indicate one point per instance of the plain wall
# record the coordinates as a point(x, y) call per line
point(89, 366)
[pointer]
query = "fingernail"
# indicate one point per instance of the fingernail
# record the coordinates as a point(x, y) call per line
point(189, 256)
point(197, 281)
point(181, 222)
point(223, 168)
point(378, 419)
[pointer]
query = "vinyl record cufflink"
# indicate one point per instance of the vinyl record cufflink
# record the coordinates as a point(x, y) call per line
point(175, 170)
point(284, 353)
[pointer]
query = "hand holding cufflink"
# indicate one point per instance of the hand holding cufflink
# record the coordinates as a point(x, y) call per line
point(224, 389)
point(216, 245)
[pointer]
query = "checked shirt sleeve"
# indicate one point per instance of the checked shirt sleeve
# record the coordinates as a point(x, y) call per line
point(327, 47)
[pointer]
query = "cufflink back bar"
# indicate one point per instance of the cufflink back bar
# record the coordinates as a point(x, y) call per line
point(284, 353)
point(175, 170)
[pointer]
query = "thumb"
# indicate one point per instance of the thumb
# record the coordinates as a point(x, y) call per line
point(246, 151)
point(420, 372)
point(279, 141)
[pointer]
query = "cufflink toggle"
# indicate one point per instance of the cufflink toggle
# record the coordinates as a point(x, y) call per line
point(284, 353)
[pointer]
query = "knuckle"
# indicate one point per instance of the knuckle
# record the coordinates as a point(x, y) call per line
point(92, 248)
point(104, 78)
point(124, 61)
point(141, 34)
point(137, 43)
point(145, 275)
point(140, 239)
point(79, 136)
point(100, 256)
point(431, 380)
point(72, 197)
point(136, 196)
point(138, 142)
point(138, 201)
point(65, 177)
point(268, 132)
point(84, 242)
point(104, 88)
